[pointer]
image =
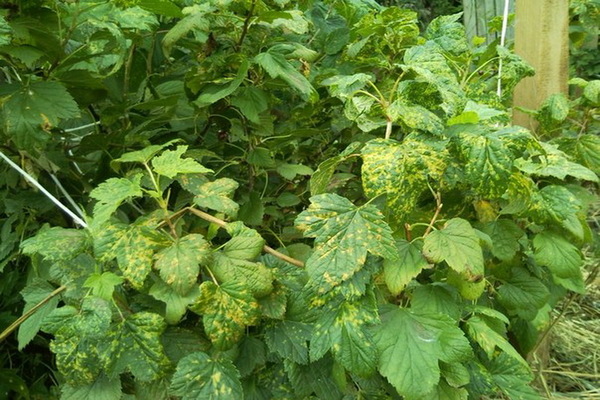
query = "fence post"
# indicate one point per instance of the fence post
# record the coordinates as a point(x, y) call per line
point(542, 39)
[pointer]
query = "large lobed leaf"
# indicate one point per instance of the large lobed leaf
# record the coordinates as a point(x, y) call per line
point(344, 234)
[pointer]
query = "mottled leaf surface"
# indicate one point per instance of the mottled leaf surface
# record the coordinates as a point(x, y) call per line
point(226, 311)
point(179, 264)
point(171, 163)
point(111, 193)
point(344, 234)
point(57, 243)
point(217, 195)
point(200, 377)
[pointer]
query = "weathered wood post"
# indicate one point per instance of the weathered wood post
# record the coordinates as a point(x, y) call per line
point(542, 39)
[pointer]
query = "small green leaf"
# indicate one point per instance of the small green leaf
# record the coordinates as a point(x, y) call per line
point(179, 264)
point(199, 377)
point(458, 245)
point(111, 193)
point(554, 109)
point(344, 234)
point(398, 273)
point(289, 171)
point(217, 195)
point(591, 91)
point(554, 163)
point(194, 21)
point(261, 157)
point(490, 333)
point(103, 285)
point(213, 92)
point(102, 388)
point(562, 258)
point(57, 243)
point(170, 163)
point(505, 235)
point(226, 311)
point(512, 377)
point(322, 176)
point(252, 102)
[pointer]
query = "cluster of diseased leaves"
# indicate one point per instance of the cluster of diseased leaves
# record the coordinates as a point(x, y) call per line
point(438, 229)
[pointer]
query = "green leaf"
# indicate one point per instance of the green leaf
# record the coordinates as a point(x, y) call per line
point(523, 294)
point(175, 304)
point(179, 264)
point(513, 378)
point(591, 91)
point(401, 171)
point(134, 248)
point(557, 205)
point(289, 339)
point(277, 66)
point(585, 149)
point(412, 346)
point(213, 92)
point(252, 102)
point(322, 176)
point(217, 195)
point(490, 334)
point(344, 234)
point(194, 21)
point(553, 162)
point(253, 354)
point(57, 243)
point(170, 163)
point(226, 311)
point(135, 347)
point(458, 245)
point(562, 258)
point(261, 157)
point(289, 171)
point(103, 285)
point(111, 193)
point(436, 298)
point(161, 7)
point(200, 377)
point(5, 32)
point(505, 235)
point(415, 117)
point(144, 155)
point(398, 273)
point(514, 69)
point(31, 110)
point(341, 328)
point(345, 87)
point(488, 155)
point(102, 388)
point(554, 109)
point(34, 293)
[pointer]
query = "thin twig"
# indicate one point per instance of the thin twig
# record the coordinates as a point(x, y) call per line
point(246, 25)
point(266, 249)
point(438, 209)
point(29, 313)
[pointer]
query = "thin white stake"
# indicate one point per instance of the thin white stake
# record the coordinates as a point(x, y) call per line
point(502, 42)
point(35, 183)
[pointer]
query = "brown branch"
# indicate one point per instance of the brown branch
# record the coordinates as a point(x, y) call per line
point(266, 249)
point(438, 209)
point(29, 313)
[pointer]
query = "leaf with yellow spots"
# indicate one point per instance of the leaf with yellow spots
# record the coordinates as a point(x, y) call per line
point(289, 339)
point(488, 155)
point(555, 204)
point(111, 193)
point(341, 329)
point(57, 243)
point(412, 345)
point(344, 234)
point(200, 377)
point(226, 311)
point(135, 347)
point(458, 245)
point(401, 171)
point(133, 246)
point(217, 195)
point(179, 264)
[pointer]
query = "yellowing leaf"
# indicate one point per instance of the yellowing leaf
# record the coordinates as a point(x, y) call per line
point(179, 264)
point(57, 243)
point(111, 193)
point(458, 245)
point(226, 311)
point(344, 234)
point(216, 195)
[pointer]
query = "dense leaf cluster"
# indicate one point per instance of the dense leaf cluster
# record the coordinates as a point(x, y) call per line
point(423, 240)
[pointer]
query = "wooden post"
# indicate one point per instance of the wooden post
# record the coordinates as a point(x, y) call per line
point(477, 14)
point(542, 39)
